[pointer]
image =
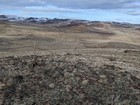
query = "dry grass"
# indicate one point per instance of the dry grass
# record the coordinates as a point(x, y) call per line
point(20, 37)
point(77, 65)
point(68, 79)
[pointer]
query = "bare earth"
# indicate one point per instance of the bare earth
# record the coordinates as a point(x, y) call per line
point(95, 64)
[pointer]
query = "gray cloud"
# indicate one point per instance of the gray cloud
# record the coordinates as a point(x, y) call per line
point(90, 4)
point(133, 13)
point(75, 4)
point(51, 9)
point(23, 3)
point(134, 6)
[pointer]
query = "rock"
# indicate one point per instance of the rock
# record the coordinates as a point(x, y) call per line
point(68, 87)
point(2, 85)
point(51, 86)
point(103, 76)
point(74, 71)
point(85, 82)
point(16, 57)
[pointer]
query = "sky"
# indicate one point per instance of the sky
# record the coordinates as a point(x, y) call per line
point(95, 10)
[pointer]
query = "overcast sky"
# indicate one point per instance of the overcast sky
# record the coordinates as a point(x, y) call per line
point(98, 10)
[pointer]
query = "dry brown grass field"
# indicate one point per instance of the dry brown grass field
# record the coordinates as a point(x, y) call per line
point(19, 37)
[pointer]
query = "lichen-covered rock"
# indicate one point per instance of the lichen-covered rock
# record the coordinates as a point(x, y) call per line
point(52, 86)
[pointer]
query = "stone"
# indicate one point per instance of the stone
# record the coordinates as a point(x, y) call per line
point(2, 85)
point(85, 82)
point(68, 87)
point(51, 86)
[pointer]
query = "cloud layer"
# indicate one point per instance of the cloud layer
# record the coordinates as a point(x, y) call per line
point(78, 4)
point(90, 4)
point(117, 10)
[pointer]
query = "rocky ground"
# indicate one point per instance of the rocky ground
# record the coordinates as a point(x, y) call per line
point(70, 79)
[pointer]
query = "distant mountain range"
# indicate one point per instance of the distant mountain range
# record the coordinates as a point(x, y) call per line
point(67, 22)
